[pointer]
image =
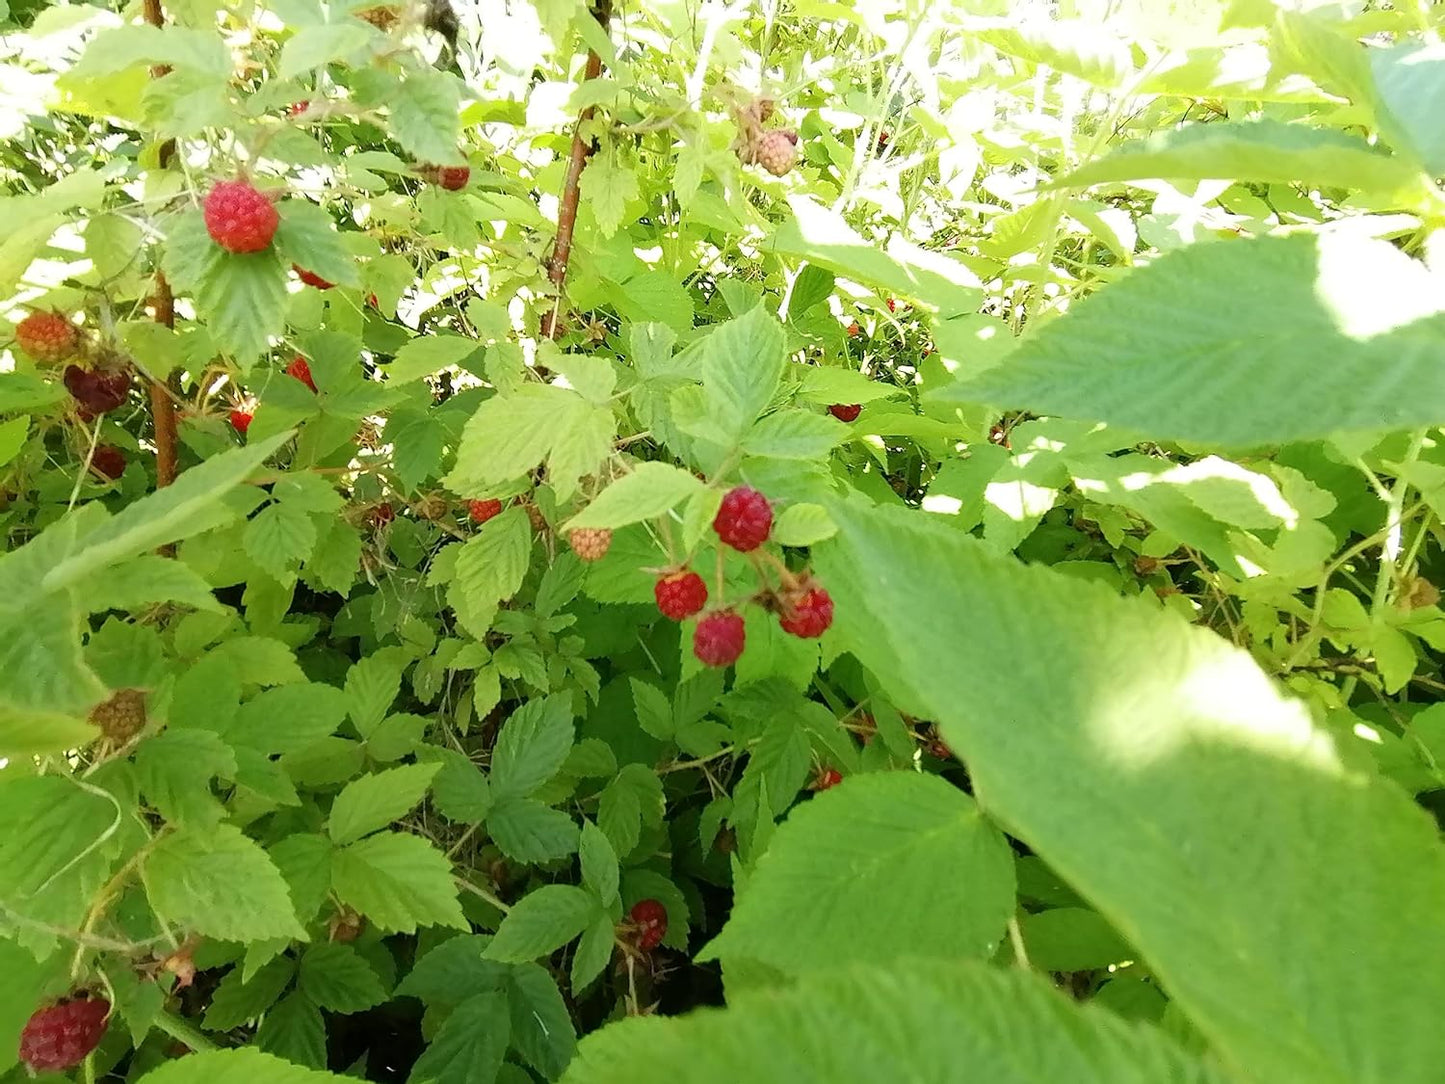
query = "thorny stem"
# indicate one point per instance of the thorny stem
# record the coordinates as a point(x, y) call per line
point(571, 191)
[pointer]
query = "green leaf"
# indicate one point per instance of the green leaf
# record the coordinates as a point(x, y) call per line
point(336, 977)
point(305, 862)
point(918, 1021)
point(307, 238)
point(542, 1029)
point(287, 719)
point(541, 922)
point(650, 490)
point(654, 712)
point(1071, 939)
point(243, 296)
point(460, 791)
point(294, 1030)
point(632, 797)
point(237, 1001)
point(1144, 731)
point(219, 884)
point(398, 881)
point(425, 356)
point(1410, 80)
point(876, 847)
point(510, 435)
point(1085, 48)
point(608, 187)
point(742, 363)
point(239, 1066)
point(424, 116)
point(280, 536)
point(492, 564)
point(599, 864)
point(531, 746)
point(794, 434)
point(145, 581)
point(453, 971)
point(469, 1047)
point(803, 525)
point(12, 437)
point(594, 950)
point(901, 269)
point(1257, 150)
point(375, 801)
point(174, 770)
point(372, 685)
point(1131, 356)
point(528, 831)
point(316, 46)
point(193, 503)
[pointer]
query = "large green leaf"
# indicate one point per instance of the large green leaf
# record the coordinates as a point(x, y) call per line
point(1410, 81)
point(542, 921)
point(398, 881)
point(374, 801)
point(220, 884)
point(241, 1066)
point(531, 746)
point(1242, 343)
point(916, 1021)
point(876, 847)
point(469, 1047)
point(1287, 903)
point(650, 490)
point(1261, 150)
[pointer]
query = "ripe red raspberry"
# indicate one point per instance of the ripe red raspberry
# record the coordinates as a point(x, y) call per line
point(295, 109)
point(310, 278)
point(590, 543)
point(777, 151)
point(121, 717)
point(892, 305)
point(241, 421)
point(96, 390)
point(481, 511)
point(59, 1037)
point(809, 615)
point(744, 519)
point(108, 461)
point(854, 330)
point(239, 218)
point(301, 371)
point(453, 178)
point(827, 778)
point(719, 638)
point(846, 412)
point(47, 336)
point(650, 917)
point(680, 594)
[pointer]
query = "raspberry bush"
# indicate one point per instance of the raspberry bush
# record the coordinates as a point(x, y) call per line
point(865, 520)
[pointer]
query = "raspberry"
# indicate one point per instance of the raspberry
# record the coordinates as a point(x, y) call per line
point(590, 543)
point(60, 1037)
point(301, 371)
point(453, 178)
point(381, 514)
point(744, 519)
point(432, 507)
point(846, 412)
point(719, 638)
point(241, 421)
point(295, 109)
point(827, 778)
point(382, 17)
point(650, 917)
point(680, 594)
point(777, 151)
point(121, 717)
point(809, 615)
point(108, 461)
point(346, 926)
point(239, 218)
point(892, 305)
point(310, 278)
point(481, 511)
point(47, 336)
point(96, 390)
point(854, 330)
point(536, 518)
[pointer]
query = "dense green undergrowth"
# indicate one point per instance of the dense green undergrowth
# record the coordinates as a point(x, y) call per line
point(811, 542)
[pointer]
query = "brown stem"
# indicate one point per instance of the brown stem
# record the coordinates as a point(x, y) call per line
point(567, 212)
point(163, 410)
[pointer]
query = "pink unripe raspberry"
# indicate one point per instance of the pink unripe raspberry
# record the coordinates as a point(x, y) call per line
point(719, 638)
point(777, 151)
point(47, 336)
point(590, 543)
